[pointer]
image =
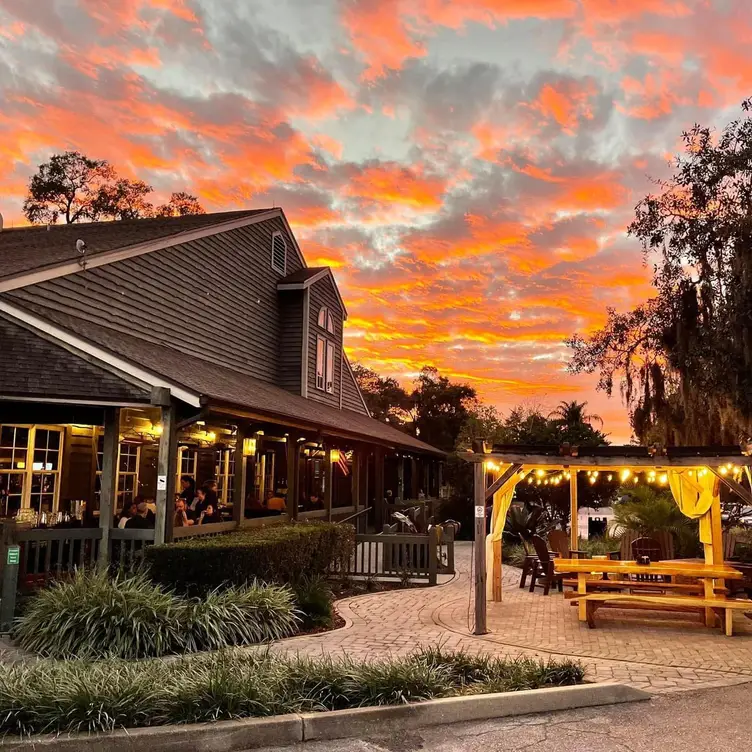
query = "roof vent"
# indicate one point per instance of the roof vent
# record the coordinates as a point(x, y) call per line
point(279, 253)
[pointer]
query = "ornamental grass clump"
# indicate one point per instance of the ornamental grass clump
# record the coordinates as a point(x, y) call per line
point(81, 696)
point(95, 616)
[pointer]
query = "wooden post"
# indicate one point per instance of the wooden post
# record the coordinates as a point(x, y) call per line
point(108, 487)
point(400, 478)
point(479, 478)
point(328, 478)
point(166, 472)
point(414, 480)
point(355, 480)
point(240, 480)
point(378, 488)
point(574, 533)
point(293, 473)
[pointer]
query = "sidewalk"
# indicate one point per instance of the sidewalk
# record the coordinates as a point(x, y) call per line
point(664, 654)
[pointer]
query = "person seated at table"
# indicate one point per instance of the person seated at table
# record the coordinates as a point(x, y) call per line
point(181, 517)
point(201, 502)
point(315, 502)
point(129, 510)
point(139, 521)
point(209, 515)
point(188, 490)
point(151, 515)
point(275, 503)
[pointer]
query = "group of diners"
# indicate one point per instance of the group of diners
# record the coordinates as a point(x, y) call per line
point(196, 506)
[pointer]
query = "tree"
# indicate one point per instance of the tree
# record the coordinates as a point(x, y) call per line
point(77, 188)
point(66, 186)
point(181, 204)
point(385, 399)
point(441, 408)
point(685, 357)
point(482, 422)
point(123, 199)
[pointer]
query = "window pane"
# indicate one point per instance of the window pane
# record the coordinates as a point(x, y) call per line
point(329, 367)
point(320, 355)
point(54, 440)
point(322, 317)
point(7, 436)
point(41, 438)
point(6, 459)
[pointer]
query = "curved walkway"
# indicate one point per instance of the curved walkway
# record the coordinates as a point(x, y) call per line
point(665, 653)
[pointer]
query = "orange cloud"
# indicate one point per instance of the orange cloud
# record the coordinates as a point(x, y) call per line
point(391, 183)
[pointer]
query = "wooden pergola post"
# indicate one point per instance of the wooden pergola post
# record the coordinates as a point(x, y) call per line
point(574, 533)
point(479, 483)
point(240, 482)
point(166, 471)
point(108, 489)
point(328, 478)
point(293, 475)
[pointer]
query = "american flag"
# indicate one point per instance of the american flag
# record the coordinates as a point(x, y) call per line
point(344, 464)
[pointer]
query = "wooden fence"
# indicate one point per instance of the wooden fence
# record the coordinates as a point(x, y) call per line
point(401, 555)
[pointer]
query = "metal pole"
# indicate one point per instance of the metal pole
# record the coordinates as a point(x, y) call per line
point(479, 477)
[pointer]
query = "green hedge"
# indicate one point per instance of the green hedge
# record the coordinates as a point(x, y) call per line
point(277, 553)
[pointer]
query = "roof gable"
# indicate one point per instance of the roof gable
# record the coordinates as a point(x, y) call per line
point(38, 253)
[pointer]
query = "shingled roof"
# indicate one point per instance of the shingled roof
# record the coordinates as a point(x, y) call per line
point(27, 249)
point(223, 386)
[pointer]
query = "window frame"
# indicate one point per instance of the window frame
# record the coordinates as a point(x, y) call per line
point(224, 472)
point(321, 344)
point(28, 472)
point(330, 358)
point(126, 474)
point(280, 235)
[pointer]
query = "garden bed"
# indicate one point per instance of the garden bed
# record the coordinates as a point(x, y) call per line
point(79, 696)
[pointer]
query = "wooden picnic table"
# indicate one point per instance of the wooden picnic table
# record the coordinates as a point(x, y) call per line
point(709, 574)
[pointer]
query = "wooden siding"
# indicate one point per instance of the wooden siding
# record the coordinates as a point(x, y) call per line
point(351, 399)
point(213, 299)
point(291, 340)
point(322, 293)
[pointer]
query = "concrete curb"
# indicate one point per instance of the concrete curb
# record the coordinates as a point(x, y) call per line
point(230, 736)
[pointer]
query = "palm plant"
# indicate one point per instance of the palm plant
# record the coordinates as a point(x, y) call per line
point(525, 521)
point(571, 414)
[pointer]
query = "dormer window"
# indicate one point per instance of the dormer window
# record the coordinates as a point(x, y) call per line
point(326, 320)
point(279, 253)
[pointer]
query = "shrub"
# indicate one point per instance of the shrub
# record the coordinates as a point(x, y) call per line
point(94, 616)
point(314, 600)
point(600, 545)
point(277, 553)
point(70, 696)
point(513, 553)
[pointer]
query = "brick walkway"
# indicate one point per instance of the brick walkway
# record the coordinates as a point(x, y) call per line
point(662, 654)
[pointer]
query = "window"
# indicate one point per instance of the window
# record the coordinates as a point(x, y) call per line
point(279, 253)
point(326, 320)
point(129, 457)
point(224, 470)
point(324, 365)
point(320, 362)
point(30, 458)
point(330, 368)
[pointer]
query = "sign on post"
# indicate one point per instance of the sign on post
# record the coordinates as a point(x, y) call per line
point(161, 483)
point(14, 555)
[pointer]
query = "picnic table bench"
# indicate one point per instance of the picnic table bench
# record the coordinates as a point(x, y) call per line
point(723, 607)
point(711, 579)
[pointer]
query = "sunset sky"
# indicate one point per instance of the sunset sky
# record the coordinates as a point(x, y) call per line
point(469, 166)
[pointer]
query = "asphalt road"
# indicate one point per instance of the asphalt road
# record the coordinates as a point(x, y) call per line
point(713, 719)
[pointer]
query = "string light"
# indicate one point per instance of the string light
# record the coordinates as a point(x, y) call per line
point(540, 473)
point(625, 473)
point(663, 479)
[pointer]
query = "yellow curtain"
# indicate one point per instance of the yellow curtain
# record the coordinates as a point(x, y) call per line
point(695, 494)
point(501, 501)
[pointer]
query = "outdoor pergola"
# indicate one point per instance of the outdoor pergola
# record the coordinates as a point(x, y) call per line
point(693, 474)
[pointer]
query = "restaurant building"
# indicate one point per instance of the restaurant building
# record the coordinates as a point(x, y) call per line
point(139, 352)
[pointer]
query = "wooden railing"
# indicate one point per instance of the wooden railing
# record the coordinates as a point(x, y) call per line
point(394, 555)
point(55, 552)
point(127, 547)
point(204, 531)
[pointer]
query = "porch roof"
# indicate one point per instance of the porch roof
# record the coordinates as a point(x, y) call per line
point(231, 392)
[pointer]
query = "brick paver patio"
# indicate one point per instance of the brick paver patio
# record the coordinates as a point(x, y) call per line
point(662, 654)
